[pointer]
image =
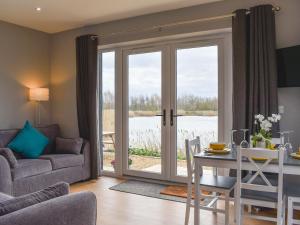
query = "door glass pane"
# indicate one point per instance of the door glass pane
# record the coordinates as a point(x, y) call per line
point(108, 110)
point(144, 131)
point(197, 99)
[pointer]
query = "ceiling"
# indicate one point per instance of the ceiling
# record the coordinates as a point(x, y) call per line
point(60, 15)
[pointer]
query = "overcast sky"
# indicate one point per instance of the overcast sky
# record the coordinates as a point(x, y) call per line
point(197, 71)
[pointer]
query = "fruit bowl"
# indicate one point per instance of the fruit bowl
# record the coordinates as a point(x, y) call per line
point(217, 146)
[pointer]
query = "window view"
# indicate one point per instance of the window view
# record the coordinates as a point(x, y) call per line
point(108, 110)
point(197, 99)
point(144, 92)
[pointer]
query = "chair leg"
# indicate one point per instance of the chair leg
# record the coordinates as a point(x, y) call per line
point(235, 204)
point(188, 205)
point(241, 214)
point(249, 209)
point(227, 209)
point(290, 211)
point(215, 206)
point(279, 213)
point(284, 211)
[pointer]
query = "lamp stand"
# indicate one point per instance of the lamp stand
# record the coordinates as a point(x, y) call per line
point(38, 114)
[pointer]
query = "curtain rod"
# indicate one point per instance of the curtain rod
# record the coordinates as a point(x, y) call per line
point(160, 27)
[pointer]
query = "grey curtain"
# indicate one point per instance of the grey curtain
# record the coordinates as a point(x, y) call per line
point(254, 66)
point(87, 92)
point(240, 53)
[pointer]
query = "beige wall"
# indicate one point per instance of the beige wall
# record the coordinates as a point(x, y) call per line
point(63, 50)
point(24, 63)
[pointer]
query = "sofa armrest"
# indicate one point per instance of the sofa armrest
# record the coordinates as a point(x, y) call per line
point(5, 176)
point(73, 209)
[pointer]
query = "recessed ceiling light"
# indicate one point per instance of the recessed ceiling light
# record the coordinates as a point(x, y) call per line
point(38, 9)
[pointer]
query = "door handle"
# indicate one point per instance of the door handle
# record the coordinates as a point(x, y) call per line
point(163, 116)
point(172, 115)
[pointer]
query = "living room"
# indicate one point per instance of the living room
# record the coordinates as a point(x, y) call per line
point(149, 112)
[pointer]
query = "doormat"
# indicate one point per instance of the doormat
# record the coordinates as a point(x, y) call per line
point(153, 190)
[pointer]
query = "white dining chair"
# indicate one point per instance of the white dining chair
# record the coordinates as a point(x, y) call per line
point(292, 191)
point(211, 183)
point(293, 204)
point(258, 188)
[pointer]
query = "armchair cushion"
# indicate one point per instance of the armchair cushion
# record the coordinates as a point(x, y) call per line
point(14, 204)
point(9, 156)
point(4, 197)
point(73, 209)
point(68, 145)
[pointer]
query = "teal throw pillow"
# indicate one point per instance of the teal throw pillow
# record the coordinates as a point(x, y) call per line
point(29, 142)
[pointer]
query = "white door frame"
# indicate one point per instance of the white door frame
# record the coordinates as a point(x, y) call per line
point(167, 43)
point(164, 102)
point(221, 96)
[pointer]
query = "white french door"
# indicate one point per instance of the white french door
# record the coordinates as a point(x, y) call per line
point(196, 103)
point(168, 92)
point(146, 100)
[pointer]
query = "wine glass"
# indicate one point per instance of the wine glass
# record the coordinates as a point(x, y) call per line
point(281, 145)
point(244, 143)
point(232, 143)
point(288, 145)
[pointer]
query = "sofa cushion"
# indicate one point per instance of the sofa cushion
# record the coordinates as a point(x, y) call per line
point(60, 161)
point(68, 145)
point(14, 204)
point(29, 142)
point(6, 136)
point(31, 167)
point(4, 197)
point(51, 132)
point(10, 157)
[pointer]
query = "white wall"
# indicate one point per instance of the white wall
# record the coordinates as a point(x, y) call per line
point(24, 63)
point(63, 68)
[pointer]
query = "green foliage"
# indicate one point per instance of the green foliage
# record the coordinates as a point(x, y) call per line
point(144, 152)
point(262, 135)
point(196, 103)
point(151, 153)
point(153, 103)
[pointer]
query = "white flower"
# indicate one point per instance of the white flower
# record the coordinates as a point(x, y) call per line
point(271, 119)
point(259, 117)
point(266, 125)
point(276, 117)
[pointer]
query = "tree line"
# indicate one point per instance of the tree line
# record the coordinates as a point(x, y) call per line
point(153, 103)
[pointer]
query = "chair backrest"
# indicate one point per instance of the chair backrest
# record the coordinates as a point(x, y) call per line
point(191, 148)
point(256, 160)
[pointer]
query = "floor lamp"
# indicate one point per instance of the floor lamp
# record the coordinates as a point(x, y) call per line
point(38, 95)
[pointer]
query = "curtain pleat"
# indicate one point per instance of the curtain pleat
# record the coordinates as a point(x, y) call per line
point(87, 93)
point(254, 66)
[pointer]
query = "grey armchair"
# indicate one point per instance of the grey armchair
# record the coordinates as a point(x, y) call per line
point(72, 209)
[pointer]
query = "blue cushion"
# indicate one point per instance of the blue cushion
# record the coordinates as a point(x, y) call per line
point(29, 142)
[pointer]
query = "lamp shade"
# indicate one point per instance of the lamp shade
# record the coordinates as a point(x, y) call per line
point(39, 94)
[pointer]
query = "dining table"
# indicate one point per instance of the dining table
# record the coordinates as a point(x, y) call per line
point(291, 166)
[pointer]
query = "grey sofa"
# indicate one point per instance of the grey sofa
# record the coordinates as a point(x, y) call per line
point(31, 175)
point(73, 209)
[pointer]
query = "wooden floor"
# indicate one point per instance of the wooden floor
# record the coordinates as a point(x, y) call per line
point(117, 208)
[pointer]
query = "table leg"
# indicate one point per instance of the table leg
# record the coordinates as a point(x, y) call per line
point(197, 193)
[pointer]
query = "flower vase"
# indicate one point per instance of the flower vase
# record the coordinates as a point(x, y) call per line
point(114, 166)
point(260, 144)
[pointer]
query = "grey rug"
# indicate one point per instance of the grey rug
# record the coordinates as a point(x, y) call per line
point(146, 189)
